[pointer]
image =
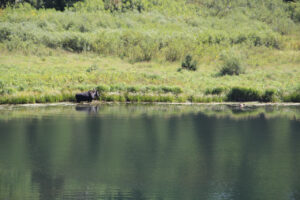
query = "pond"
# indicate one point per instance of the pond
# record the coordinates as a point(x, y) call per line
point(127, 151)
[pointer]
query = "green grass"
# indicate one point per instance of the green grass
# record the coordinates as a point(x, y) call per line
point(48, 56)
point(58, 77)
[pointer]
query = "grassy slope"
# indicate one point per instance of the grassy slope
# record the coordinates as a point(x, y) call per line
point(32, 70)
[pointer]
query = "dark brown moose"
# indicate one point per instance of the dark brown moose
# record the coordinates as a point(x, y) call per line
point(87, 96)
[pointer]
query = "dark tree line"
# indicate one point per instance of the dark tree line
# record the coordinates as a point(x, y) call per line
point(112, 5)
point(57, 4)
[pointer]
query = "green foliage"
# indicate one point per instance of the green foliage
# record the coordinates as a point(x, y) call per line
point(92, 68)
point(132, 89)
point(175, 90)
point(166, 30)
point(75, 43)
point(248, 94)
point(268, 96)
point(232, 64)
point(140, 90)
point(243, 94)
point(1, 85)
point(5, 33)
point(215, 91)
point(57, 4)
point(123, 5)
point(293, 97)
point(189, 63)
point(294, 11)
point(4, 3)
point(88, 6)
point(102, 88)
point(138, 37)
point(204, 99)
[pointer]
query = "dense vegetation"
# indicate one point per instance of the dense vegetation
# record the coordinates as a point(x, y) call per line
point(56, 54)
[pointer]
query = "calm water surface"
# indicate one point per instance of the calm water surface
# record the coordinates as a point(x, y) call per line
point(149, 152)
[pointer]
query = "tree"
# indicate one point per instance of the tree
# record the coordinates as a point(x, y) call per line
point(4, 3)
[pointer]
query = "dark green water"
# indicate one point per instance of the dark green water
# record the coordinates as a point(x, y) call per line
point(149, 152)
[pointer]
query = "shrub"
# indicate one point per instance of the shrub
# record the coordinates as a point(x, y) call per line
point(75, 43)
point(189, 63)
point(1, 85)
point(268, 96)
point(215, 91)
point(68, 97)
point(112, 97)
point(166, 98)
point(123, 5)
point(181, 99)
point(117, 88)
point(294, 11)
point(293, 97)
point(175, 90)
point(132, 97)
point(132, 89)
point(149, 98)
point(93, 67)
point(102, 88)
point(231, 66)
point(7, 91)
point(5, 33)
point(172, 50)
point(40, 99)
point(243, 94)
point(89, 5)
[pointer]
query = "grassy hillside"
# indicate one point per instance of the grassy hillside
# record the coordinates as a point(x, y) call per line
point(135, 53)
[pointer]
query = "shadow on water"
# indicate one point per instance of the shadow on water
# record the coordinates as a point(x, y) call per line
point(149, 152)
point(87, 108)
point(49, 184)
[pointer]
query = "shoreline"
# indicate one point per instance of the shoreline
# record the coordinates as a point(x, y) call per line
point(96, 103)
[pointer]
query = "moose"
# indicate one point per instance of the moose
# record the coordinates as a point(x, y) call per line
point(87, 96)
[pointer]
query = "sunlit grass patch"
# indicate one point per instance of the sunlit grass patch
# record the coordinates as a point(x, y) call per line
point(64, 72)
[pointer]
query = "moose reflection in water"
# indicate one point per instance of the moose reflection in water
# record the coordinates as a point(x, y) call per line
point(87, 108)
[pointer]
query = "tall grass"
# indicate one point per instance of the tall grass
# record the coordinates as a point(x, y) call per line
point(293, 97)
point(151, 44)
point(152, 34)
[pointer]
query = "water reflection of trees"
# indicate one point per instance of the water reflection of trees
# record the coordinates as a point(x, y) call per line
point(132, 110)
point(99, 156)
point(38, 136)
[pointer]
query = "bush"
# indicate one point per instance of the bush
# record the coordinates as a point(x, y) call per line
point(294, 11)
point(189, 63)
point(231, 66)
point(132, 89)
point(1, 85)
point(102, 88)
point(268, 96)
point(93, 67)
point(117, 88)
point(5, 33)
point(89, 5)
point(75, 43)
point(215, 91)
point(293, 97)
point(123, 5)
point(243, 94)
point(175, 90)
